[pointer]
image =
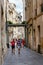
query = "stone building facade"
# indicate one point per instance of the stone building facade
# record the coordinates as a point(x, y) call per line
point(34, 18)
point(23, 9)
point(0, 36)
point(12, 14)
point(3, 47)
point(15, 18)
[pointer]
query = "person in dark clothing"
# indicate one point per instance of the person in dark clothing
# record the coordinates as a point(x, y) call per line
point(23, 43)
point(19, 45)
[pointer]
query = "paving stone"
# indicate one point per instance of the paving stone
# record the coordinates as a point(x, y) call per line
point(26, 57)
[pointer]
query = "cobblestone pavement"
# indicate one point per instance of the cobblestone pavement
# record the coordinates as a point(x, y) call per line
point(26, 57)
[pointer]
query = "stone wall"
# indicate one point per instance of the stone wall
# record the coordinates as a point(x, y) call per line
point(3, 47)
point(35, 35)
point(0, 36)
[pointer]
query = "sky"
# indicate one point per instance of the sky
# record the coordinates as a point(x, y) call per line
point(19, 5)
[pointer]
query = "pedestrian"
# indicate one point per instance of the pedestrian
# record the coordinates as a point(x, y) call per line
point(13, 46)
point(19, 45)
point(23, 43)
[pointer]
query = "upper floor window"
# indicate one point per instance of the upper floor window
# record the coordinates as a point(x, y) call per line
point(1, 11)
point(25, 8)
point(35, 12)
point(42, 7)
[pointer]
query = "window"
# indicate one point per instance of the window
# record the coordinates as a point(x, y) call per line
point(35, 12)
point(25, 8)
point(39, 33)
point(41, 7)
point(1, 10)
point(34, 35)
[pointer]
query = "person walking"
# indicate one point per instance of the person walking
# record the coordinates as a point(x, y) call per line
point(23, 43)
point(19, 45)
point(13, 46)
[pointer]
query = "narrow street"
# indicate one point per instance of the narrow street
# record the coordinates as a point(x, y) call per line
point(27, 57)
point(21, 24)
